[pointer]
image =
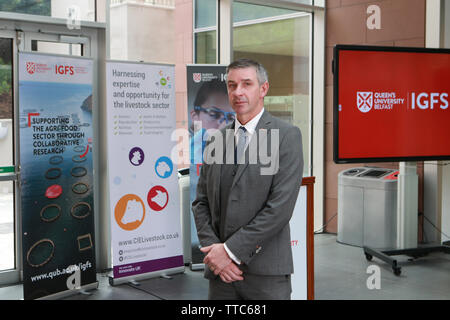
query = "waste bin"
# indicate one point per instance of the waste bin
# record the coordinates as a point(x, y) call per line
point(367, 207)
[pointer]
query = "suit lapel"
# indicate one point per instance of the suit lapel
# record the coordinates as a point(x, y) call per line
point(263, 123)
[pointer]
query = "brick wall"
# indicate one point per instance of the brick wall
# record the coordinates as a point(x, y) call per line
point(183, 56)
point(402, 25)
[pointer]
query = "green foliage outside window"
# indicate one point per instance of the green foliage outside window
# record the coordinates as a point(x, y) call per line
point(37, 7)
point(5, 77)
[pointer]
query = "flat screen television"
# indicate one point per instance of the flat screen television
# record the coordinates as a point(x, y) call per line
point(390, 104)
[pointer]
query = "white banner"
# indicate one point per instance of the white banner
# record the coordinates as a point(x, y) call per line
point(59, 69)
point(298, 225)
point(143, 180)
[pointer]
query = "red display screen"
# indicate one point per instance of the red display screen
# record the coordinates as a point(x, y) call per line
point(391, 104)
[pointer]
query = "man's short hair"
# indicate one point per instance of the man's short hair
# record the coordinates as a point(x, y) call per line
point(261, 72)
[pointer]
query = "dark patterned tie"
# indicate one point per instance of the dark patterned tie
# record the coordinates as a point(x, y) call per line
point(242, 143)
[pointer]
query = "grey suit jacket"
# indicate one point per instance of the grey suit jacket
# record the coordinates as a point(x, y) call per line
point(259, 206)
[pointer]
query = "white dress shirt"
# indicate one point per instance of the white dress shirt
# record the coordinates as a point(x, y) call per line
point(250, 127)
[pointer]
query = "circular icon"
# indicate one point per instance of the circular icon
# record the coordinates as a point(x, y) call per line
point(163, 81)
point(136, 156)
point(129, 212)
point(164, 167)
point(157, 198)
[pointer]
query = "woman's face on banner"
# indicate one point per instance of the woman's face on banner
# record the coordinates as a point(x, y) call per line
point(215, 112)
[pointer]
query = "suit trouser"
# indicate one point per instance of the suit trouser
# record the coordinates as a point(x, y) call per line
point(253, 287)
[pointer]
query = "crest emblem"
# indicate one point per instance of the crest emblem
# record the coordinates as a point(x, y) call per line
point(197, 77)
point(31, 67)
point(364, 101)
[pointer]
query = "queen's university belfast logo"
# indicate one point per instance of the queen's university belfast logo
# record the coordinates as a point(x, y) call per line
point(364, 101)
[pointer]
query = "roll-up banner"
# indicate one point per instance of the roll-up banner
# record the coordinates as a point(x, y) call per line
point(208, 108)
point(143, 181)
point(298, 226)
point(56, 174)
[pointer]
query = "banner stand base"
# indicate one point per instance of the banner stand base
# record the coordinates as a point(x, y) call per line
point(149, 275)
point(197, 266)
point(68, 293)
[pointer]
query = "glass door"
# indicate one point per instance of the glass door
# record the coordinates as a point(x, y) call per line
point(10, 121)
point(280, 39)
point(8, 176)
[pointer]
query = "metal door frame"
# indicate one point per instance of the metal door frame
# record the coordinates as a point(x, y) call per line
point(13, 275)
point(23, 29)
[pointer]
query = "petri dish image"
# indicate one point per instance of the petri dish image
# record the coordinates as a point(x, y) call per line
point(77, 158)
point(78, 172)
point(54, 191)
point(53, 173)
point(50, 213)
point(40, 253)
point(80, 210)
point(79, 148)
point(56, 160)
point(80, 188)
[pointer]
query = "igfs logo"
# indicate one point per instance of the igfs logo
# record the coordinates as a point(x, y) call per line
point(31, 67)
point(67, 70)
point(364, 101)
point(427, 100)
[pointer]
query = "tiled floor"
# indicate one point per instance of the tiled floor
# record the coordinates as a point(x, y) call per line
point(340, 273)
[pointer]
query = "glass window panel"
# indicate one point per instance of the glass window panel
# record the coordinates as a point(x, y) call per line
point(37, 7)
point(446, 28)
point(6, 104)
point(83, 10)
point(7, 258)
point(145, 31)
point(319, 3)
point(74, 49)
point(283, 47)
point(246, 11)
point(205, 47)
point(205, 13)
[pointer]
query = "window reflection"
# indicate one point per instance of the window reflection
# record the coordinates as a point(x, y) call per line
point(84, 10)
point(283, 47)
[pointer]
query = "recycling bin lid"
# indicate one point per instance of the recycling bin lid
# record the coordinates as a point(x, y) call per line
point(375, 173)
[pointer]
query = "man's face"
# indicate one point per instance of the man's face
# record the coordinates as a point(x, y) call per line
point(245, 94)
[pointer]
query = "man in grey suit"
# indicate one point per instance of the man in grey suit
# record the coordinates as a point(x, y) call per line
point(242, 212)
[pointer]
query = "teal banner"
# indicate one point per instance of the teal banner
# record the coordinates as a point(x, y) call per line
point(208, 108)
point(56, 174)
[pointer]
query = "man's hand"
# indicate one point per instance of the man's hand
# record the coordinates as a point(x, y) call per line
point(219, 262)
point(231, 273)
point(217, 258)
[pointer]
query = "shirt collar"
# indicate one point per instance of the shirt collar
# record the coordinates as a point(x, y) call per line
point(249, 126)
